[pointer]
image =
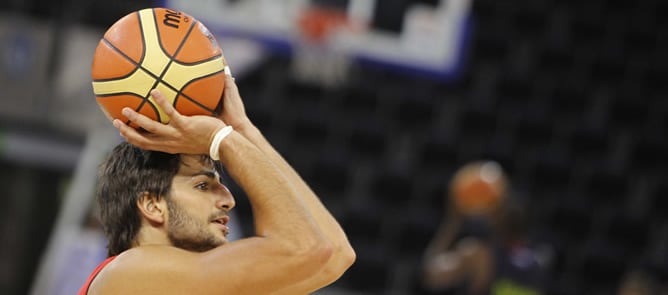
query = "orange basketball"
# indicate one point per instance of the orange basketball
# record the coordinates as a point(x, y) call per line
point(158, 48)
point(478, 187)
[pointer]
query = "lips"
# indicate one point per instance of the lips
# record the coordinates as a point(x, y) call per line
point(221, 222)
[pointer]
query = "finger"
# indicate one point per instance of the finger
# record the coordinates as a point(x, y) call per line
point(118, 124)
point(166, 106)
point(142, 121)
point(230, 87)
point(130, 134)
point(146, 141)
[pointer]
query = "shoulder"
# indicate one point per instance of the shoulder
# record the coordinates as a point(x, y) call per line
point(247, 266)
point(146, 268)
point(150, 259)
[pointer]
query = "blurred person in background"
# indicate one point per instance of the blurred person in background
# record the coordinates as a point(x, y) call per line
point(165, 212)
point(640, 282)
point(482, 245)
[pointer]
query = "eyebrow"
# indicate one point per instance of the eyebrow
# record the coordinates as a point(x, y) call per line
point(208, 173)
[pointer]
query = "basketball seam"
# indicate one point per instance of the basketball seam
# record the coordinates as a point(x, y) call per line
point(141, 58)
point(155, 109)
point(125, 56)
point(194, 100)
point(171, 60)
point(105, 96)
point(143, 42)
point(199, 61)
point(119, 93)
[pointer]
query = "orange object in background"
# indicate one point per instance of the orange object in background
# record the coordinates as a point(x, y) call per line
point(316, 23)
point(478, 187)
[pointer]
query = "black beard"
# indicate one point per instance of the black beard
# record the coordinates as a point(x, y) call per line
point(180, 221)
point(192, 244)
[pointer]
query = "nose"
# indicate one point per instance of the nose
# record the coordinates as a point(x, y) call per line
point(225, 198)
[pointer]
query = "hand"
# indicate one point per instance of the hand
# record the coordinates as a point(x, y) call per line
point(183, 134)
point(234, 112)
point(452, 212)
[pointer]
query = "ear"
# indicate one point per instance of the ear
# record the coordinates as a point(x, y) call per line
point(152, 208)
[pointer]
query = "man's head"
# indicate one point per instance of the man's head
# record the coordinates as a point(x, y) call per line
point(178, 196)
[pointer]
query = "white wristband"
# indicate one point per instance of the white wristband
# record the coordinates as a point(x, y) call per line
point(217, 139)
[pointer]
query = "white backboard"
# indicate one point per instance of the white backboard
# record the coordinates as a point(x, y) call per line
point(431, 40)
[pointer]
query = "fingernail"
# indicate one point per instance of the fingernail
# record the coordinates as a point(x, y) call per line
point(125, 112)
point(227, 71)
point(116, 123)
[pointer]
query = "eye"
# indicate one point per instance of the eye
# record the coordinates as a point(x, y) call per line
point(202, 186)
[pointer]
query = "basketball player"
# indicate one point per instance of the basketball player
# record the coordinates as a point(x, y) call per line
point(165, 212)
point(487, 252)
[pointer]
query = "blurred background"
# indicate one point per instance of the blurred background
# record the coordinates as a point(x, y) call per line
point(376, 103)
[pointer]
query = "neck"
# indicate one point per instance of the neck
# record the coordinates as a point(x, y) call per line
point(151, 235)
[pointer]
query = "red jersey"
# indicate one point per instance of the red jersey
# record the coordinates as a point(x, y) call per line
point(84, 288)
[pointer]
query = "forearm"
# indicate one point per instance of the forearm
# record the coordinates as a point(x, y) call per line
point(343, 255)
point(278, 209)
point(442, 265)
point(444, 238)
point(235, 115)
point(322, 216)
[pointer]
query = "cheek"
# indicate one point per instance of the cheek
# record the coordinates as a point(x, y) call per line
point(203, 202)
point(198, 212)
point(197, 204)
point(181, 211)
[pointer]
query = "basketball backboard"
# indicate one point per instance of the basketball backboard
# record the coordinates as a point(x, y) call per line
point(416, 37)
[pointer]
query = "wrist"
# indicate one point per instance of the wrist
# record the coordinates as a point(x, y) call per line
point(246, 126)
point(218, 137)
point(249, 130)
